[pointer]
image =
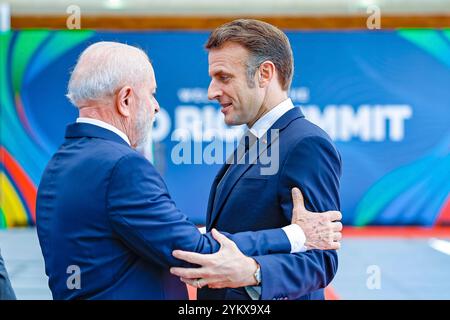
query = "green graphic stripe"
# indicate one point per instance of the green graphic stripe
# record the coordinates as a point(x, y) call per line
point(430, 41)
point(28, 152)
point(58, 45)
point(2, 220)
point(387, 189)
point(11, 128)
point(5, 39)
point(25, 46)
point(446, 33)
point(63, 41)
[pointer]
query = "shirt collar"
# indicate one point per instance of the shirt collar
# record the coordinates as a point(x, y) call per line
point(104, 125)
point(266, 121)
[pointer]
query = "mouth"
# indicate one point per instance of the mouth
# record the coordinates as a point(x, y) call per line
point(225, 107)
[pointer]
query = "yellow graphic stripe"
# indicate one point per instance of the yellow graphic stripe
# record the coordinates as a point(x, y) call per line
point(11, 204)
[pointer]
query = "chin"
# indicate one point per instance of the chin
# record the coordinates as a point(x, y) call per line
point(229, 122)
point(232, 120)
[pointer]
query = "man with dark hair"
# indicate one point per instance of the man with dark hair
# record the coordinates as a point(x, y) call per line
point(251, 69)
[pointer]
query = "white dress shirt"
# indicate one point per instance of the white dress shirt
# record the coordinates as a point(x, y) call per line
point(104, 125)
point(264, 123)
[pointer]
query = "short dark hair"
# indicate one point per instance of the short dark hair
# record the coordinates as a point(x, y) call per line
point(263, 41)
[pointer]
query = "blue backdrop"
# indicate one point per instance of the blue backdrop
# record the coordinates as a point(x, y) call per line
point(384, 97)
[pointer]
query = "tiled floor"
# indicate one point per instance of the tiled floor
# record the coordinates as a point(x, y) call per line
point(369, 268)
point(23, 258)
point(406, 269)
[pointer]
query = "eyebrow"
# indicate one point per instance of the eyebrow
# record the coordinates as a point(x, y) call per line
point(220, 72)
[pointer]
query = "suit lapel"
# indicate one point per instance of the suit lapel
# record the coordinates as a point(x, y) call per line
point(212, 194)
point(238, 170)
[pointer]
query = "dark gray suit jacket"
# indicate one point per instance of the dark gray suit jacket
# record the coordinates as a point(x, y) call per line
point(6, 291)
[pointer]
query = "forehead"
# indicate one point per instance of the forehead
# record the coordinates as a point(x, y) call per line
point(152, 77)
point(229, 57)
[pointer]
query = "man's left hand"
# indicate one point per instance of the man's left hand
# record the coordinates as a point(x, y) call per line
point(227, 268)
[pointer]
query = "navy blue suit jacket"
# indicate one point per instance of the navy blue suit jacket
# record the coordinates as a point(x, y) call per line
point(249, 200)
point(103, 209)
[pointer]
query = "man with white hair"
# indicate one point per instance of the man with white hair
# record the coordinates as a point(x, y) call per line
point(105, 220)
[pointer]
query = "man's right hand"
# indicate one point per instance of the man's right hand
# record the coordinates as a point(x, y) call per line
point(322, 229)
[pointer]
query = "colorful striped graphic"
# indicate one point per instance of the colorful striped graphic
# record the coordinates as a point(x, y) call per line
point(423, 187)
point(24, 153)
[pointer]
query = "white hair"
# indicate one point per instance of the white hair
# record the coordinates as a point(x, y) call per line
point(104, 67)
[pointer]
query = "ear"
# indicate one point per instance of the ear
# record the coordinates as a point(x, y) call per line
point(266, 73)
point(124, 101)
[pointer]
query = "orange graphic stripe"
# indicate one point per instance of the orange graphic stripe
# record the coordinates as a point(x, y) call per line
point(24, 184)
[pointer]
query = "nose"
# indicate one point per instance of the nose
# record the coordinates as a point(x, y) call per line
point(156, 106)
point(214, 92)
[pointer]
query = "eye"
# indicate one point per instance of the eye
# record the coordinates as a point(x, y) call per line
point(224, 78)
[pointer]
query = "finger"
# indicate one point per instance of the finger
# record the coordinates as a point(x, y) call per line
point(189, 282)
point(188, 273)
point(223, 240)
point(201, 283)
point(297, 200)
point(217, 285)
point(334, 215)
point(337, 226)
point(196, 283)
point(311, 246)
point(337, 236)
point(335, 245)
point(192, 257)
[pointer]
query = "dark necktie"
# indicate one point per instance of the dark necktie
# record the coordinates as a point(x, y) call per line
point(246, 142)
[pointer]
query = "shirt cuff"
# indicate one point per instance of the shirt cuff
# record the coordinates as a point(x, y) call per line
point(203, 230)
point(296, 237)
point(254, 292)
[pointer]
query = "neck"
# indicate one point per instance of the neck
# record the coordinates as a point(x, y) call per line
point(270, 102)
point(105, 113)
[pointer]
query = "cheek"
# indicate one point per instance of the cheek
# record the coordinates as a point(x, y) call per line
point(152, 110)
point(147, 105)
point(246, 102)
point(238, 97)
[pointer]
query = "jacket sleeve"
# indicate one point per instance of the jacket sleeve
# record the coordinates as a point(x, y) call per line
point(313, 165)
point(143, 215)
